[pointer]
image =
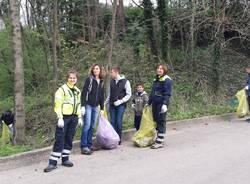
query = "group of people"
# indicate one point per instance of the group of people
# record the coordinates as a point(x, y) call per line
point(74, 107)
point(81, 108)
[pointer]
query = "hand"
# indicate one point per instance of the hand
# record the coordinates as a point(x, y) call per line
point(60, 123)
point(80, 123)
point(133, 106)
point(118, 102)
point(164, 108)
point(83, 110)
point(247, 88)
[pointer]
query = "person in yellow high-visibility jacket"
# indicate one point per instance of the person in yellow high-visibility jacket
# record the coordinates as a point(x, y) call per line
point(68, 111)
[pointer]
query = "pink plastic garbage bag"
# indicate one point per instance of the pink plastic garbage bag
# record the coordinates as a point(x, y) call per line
point(106, 136)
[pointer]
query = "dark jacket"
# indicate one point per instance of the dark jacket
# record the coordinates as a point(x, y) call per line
point(93, 93)
point(117, 90)
point(140, 100)
point(248, 84)
point(161, 90)
point(7, 117)
point(120, 89)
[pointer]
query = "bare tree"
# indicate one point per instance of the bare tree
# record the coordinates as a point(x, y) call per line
point(121, 17)
point(112, 37)
point(55, 43)
point(18, 73)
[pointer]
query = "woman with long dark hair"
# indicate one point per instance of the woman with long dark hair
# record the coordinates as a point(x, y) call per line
point(92, 97)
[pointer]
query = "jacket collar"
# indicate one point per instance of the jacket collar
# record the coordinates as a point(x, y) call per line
point(93, 77)
point(143, 93)
point(120, 77)
point(71, 86)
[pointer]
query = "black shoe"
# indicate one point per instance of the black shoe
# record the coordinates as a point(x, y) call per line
point(68, 164)
point(86, 151)
point(120, 142)
point(248, 120)
point(49, 168)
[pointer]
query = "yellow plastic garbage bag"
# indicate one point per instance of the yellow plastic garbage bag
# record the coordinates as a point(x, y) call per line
point(5, 134)
point(146, 134)
point(105, 113)
point(242, 109)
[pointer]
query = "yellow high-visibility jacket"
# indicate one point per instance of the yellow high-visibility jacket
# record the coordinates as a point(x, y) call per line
point(68, 101)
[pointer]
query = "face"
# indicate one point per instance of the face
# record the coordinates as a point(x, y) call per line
point(114, 74)
point(248, 70)
point(160, 71)
point(140, 88)
point(96, 71)
point(72, 79)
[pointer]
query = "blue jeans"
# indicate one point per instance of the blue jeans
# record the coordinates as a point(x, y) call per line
point(116, 116)
point(90, 118)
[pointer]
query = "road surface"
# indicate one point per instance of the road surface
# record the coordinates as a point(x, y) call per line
point(207, 153)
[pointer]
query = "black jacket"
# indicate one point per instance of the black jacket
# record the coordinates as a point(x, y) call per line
point(7, 117)
point(93, 93)
point(117, 90)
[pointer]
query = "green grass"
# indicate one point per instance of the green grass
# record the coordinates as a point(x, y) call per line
point(8, 149)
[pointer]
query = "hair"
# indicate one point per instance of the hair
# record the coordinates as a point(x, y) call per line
point(71, 71)
point(248, 67)
point(116, 68)
point(91, 70)
point(140, 84)
point(164, 67)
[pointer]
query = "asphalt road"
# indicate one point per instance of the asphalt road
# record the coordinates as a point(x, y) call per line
point(207, 153)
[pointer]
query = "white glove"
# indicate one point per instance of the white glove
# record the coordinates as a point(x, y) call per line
point(118, 102)
point(83, 110)
point(60, 123)
point(133, 106)
point(246, 88)
point(80, 123)
point(164, 109)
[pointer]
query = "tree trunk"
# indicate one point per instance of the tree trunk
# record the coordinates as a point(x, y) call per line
point(112, 38)
point(192, 41)
point(55, 43)
point(121, 18)
point(18, 73)
point(148, 18)
point(162, 14)
point(92, 22)
point(219, 15)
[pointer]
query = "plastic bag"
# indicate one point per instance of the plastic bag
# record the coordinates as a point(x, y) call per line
point(5, 134)
point(146, 134)
point(105, 113)
point(242, 109)
point(106, 136)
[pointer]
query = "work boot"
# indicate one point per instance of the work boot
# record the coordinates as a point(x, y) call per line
point(86, 151)
point(157, 145)
point(68, 164)
point(49, 168)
